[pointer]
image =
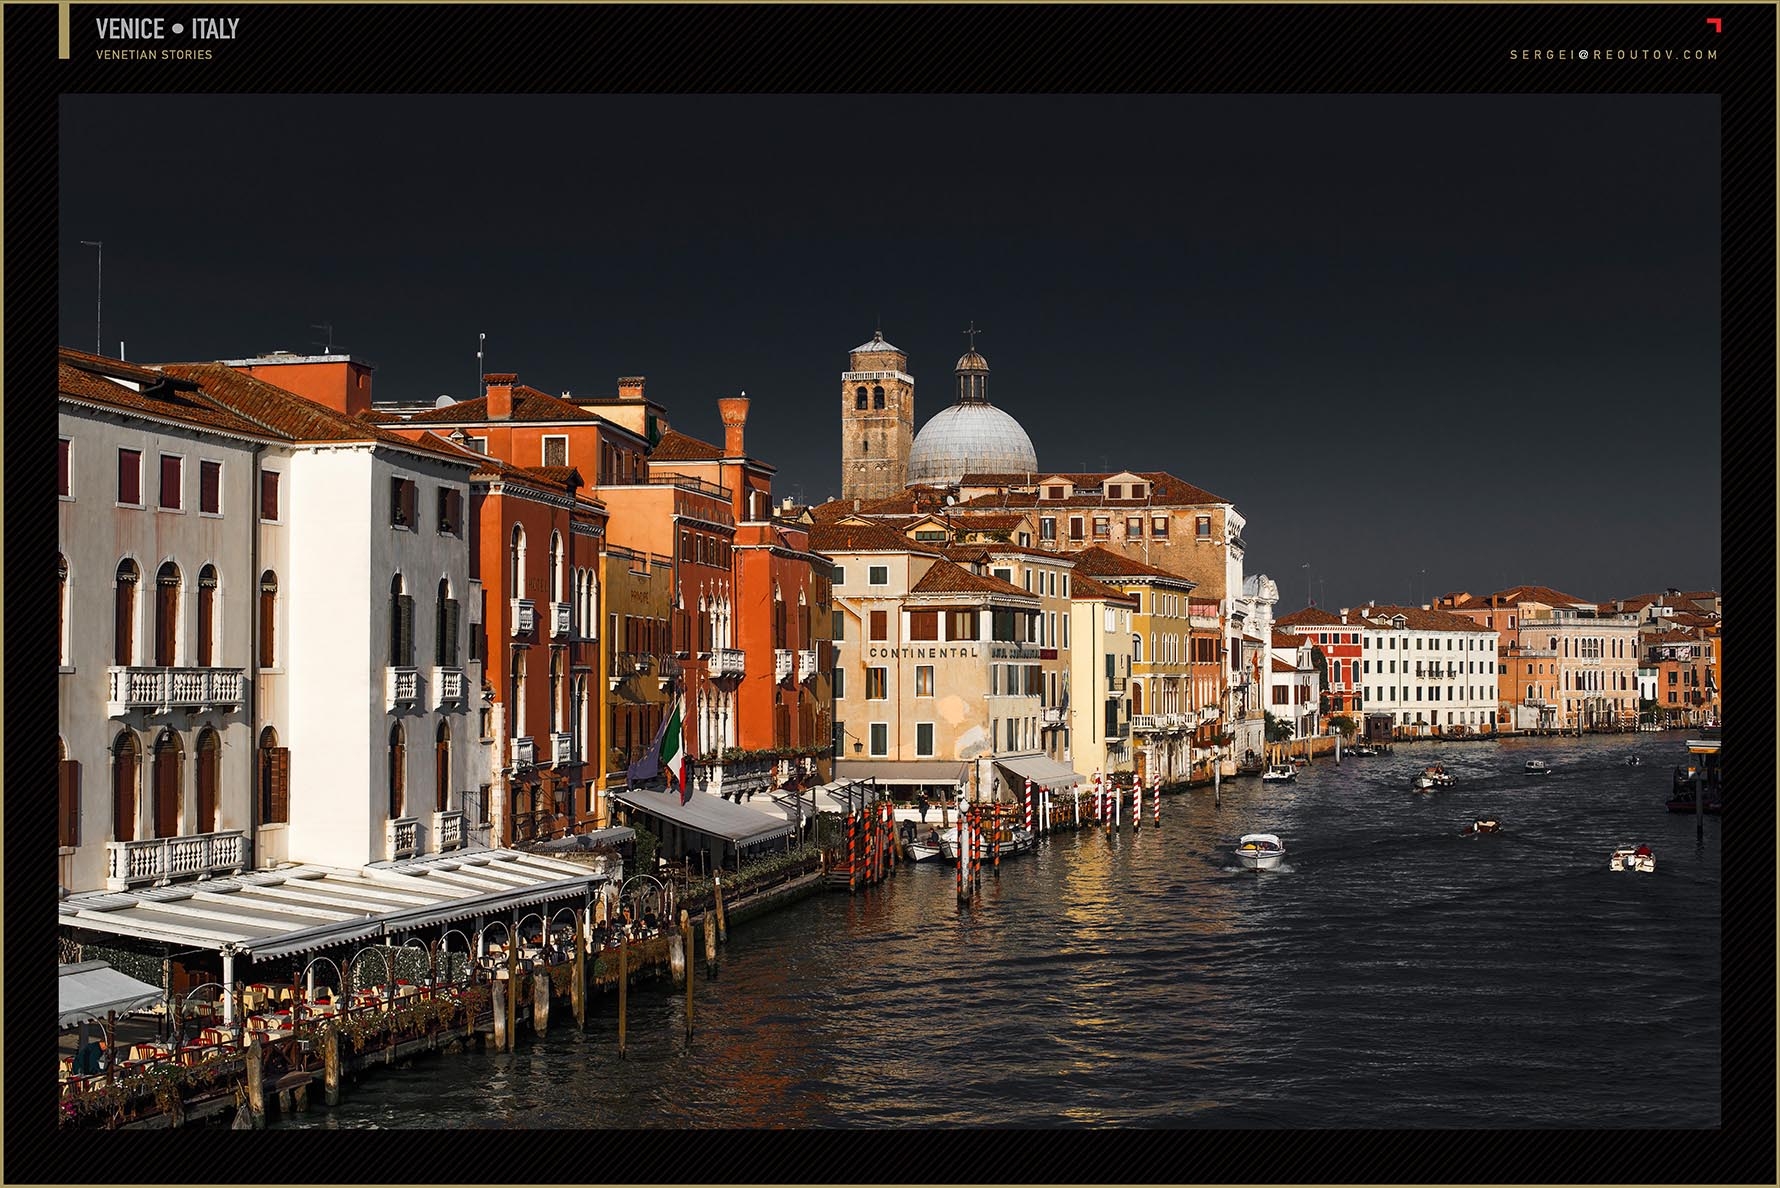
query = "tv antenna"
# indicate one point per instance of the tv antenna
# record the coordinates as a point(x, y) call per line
point(326, 328)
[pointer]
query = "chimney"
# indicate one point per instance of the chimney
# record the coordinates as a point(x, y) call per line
point(1344, 615)
point(499, 386)
point(734, 411)
point(630, 387)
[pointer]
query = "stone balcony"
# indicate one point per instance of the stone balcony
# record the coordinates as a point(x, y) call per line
point(784, 664)
point(161, 860)
point(728, 662)
point(524, 753)
point(562, 749)
point(402, 836)
point(524, 616)
point(1147, 724)
point(1052, 718)
point(806, 665)
point(402, 688)
point(448, 688)
point(448, 831)
point(162, 690)
point(559, 620)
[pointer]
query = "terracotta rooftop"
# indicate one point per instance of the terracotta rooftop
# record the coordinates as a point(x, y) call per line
point(1104, 563)
point(529, 405)
point(1311, 616)
point(945, 577)
point(1417, 619)
point(1516, 594)
point(1083, 588)
point(1282, 640)
point(861, 538)
point(181, 403)
point(1166, 490)
point(675, 446)
point(1281, 666)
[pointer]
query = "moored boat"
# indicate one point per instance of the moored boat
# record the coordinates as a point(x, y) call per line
point(1632, 858)
point(1260, 851)
point(1536, 767)
point(1683, 802)
point(1279, 773)
point(1363, 750)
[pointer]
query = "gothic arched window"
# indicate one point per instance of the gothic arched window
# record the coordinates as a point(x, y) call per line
point(859, 397)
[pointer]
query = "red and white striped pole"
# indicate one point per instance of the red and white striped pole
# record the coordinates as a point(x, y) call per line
point(1156, 804)
point(1137, 802)
point(1028, 806)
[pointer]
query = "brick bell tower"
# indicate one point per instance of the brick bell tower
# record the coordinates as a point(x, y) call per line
point(877, 421)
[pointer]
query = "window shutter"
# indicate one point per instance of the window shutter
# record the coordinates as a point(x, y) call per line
point(129, 476)
point(268, 494)
point(453, 627)
point(280, 784)
point(210, 486)
point(68, 800)
point(125, 622)
point(405, 632)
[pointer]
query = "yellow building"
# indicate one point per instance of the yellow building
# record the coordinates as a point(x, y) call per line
point(636, 664)
point(1100, 665)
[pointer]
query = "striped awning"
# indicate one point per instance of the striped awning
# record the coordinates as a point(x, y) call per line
point(275, 913)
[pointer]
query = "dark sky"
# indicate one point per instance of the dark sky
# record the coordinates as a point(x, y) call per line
point(1472, 336)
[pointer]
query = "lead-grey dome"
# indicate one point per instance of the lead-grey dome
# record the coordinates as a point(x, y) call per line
point(970, 439)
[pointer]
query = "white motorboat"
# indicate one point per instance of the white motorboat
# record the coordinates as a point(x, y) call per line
point(1536, 767)
point(1019, 841)
point(1279, 773)
point(1260, 851)
point(1433, 776)
point(923, 848)
point(1633, 858)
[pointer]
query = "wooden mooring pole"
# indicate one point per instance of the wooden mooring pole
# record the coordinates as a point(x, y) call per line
point(256, 1081)
point(722, 923)
point(710, 944)
point(623, 982)
point(578, 988)
point(330, 1065)
point(686, 940)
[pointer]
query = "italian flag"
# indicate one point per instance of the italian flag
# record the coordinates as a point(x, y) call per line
point(673, 752)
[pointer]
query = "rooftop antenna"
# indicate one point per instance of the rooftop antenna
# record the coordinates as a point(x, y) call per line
point(328, 329)
point(481, 340)
point(98, 296)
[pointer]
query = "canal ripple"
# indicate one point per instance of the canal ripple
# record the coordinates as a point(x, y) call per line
point(1390, 973)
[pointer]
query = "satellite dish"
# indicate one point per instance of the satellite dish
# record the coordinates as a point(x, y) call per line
point(950, 501)
point(444, 402)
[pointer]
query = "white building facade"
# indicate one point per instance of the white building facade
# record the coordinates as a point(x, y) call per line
point(1433, 672)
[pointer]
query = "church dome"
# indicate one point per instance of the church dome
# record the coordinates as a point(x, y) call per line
point(971, 361)
point(970, 439)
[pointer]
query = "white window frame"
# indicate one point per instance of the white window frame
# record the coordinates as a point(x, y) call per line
point(872, 734)
point(544, 449)
point(872, 572)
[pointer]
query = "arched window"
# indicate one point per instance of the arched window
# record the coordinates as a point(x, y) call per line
point(398, 771)
point(268, 626)
point(124, 632)
point(169, 784)
point(591, 620)
point(67, 797)
point(446, 626)
point(859, 396)
point(442, 767)
point(209, 772)
point(61, 610)
point(1136, 697)
point(207, 616)
point(578, 721)
point(556, 594)
point(516, 564)
point(556, 691)
point(877, 396)
point(865, 445)
point(167, 616)
point(274, 779)
point(401, 625)
point(126, 763)
point(516, 696)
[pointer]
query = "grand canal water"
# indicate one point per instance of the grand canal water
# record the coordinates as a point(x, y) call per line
point(1391, 973)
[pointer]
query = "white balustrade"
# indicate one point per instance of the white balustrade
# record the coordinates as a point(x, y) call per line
point(402, 687)
point(728, 662)
point(403, 834)
point(806, 664)
point(524, 752)
point(524, 616)
point(559, 619)
point(161, 690)
point(448, 831)
point(448, 687)
point(160, 860)
point(562, 749)
point(783, 664)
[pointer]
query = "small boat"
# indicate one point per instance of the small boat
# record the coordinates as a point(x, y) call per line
point(1536, 767)
point(1260, 851)
point(1297, 761)
point(1683, 802)
point(1630, 858)
point(1633, 761)
point(1364, 750)
point(921, 849)
point(1019, 841)
point(1480, 826)
point(1432, 776)
point(1279, 773)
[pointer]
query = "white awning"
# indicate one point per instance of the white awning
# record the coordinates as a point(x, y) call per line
point(89, 990)
point(707, 814)
point(275, 913)
point(1043, 772)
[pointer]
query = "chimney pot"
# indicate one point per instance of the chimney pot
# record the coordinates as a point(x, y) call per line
point(499, 386)
point(630, 387)
point(734, 411)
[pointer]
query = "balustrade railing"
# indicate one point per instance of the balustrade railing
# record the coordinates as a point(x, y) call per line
point(728, 662)
point(448, 831)
point(160, 860)
point(448, 687)
point(806, 664)
point(403, 687)
point(403, 836)
point(783, 664)
point(562, 749)
point(524, 753)
point(559, 619)
point(525, 616)
point(160, 690)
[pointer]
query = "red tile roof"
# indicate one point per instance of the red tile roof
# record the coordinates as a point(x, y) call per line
point(944, 577)
point(861, 538)
point(1417, 619)
point(529, 404)
point(1105, 564)
point(1166, 490)
point(675, 446)
point(1310, 616)
point(1083, 588)
point(182, 403)
point(1515, 594)
point(1281, 666)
